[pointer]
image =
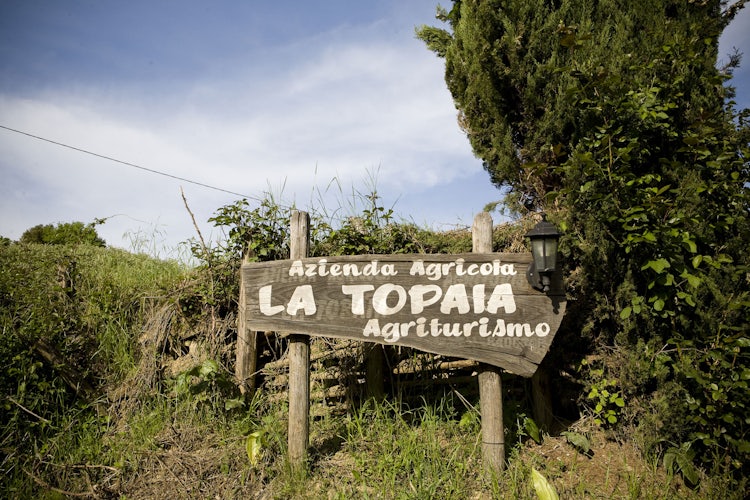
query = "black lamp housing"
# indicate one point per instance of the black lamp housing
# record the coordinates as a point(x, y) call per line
point(544, 239)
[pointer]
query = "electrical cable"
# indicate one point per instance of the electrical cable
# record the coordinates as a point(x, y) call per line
point(81, 150)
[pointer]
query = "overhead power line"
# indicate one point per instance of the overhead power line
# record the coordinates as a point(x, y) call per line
point(128, 164)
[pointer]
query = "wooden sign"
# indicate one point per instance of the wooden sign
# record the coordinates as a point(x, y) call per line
point(474, 306)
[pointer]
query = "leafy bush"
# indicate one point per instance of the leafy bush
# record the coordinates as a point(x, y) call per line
point(658, 202)
point(70, 318)
point(68, 233)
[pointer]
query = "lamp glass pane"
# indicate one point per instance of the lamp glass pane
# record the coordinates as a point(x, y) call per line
point(537, 251)
point(550, 254)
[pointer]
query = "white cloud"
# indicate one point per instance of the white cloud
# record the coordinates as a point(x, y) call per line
point(338, 110)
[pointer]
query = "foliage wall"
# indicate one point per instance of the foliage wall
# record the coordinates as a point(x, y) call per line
point(614, 118)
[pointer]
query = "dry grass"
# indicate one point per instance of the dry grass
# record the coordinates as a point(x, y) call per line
point(611, 469)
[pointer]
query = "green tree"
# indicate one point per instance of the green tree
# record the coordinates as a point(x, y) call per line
point(510, 66)
point(614, 118)
point(68, 233)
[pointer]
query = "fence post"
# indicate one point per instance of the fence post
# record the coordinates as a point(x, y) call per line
point(246, 362)
point(490, 383)
point(374, 371)
point(299, 357)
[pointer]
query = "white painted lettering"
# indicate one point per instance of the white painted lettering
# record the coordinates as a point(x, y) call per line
point(417, 295)
point(477, 295)
point(380, 299)
point(264, 298)
point(372, 328)
point(296, 269)
point(417, 268)
point(460, 267)
point(322, 267)
point(483, 331)
point(388, 270)
point(390, 332)
point(351, 270)
point(518, 329)
point(542, 330)
point(433, 271)
point(455, 298)
point(302, 298)
point(502, 297)
point(310, 270)
point(420, 327)
point(358, 296)
point(499, 330)
point(452, 329)
point(468, 327)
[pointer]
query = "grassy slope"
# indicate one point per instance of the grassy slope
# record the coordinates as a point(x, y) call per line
point(148, 432)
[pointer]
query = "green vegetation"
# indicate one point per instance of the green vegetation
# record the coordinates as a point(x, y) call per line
point(69, 233)
point(118, 368)
point(71, 318)
point(614, 119)
point(119, 384)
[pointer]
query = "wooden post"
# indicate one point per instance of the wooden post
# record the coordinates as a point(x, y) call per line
point(541, 399)
point(299, 358)
point(490, 383)
point(246, 362)
point(374, 373)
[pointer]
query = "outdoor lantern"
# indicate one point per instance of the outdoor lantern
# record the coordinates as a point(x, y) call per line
point(544, 238)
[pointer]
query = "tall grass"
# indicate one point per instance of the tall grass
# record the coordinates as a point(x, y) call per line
point(151, 428)
point(70, 319)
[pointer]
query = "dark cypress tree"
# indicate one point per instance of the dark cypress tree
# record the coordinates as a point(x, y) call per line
point(512, 66)
point(614, 118)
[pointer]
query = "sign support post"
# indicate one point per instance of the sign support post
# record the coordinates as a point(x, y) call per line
point(299, 358)
point(490, 383)
point(247, 345)
point(478, 305)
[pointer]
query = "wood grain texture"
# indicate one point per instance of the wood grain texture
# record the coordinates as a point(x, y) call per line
point(299, 358)
point(515, 337)
point(490, 381)
point(491, 405)
point(246, 362)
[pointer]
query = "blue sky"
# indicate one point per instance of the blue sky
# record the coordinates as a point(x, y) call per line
point(309, 101)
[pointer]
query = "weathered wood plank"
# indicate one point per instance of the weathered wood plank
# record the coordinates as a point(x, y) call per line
point(246, 347)
point(299, 357)
point(490, 383)
point(474, 306)
point(491, 404)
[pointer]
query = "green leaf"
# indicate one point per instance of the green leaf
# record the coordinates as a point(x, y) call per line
point(468, 419)
point(687, 468)
point(690, 244)
point(669, 460)
point(231, 404)
point(693, 281)
point(544, 490)
point(625, 313)
point(532, 430)
point(578, 440)
point(208, 367)
point(254, 447)
point(658, 265)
